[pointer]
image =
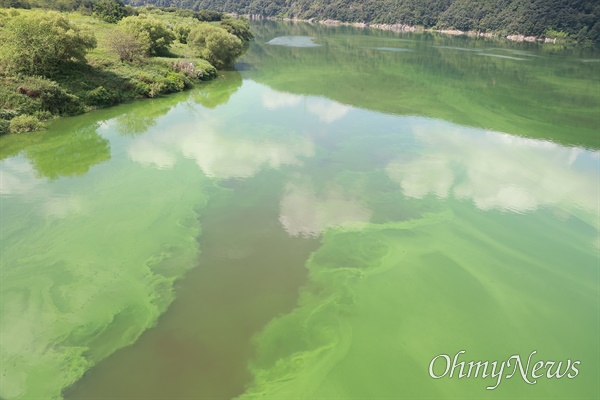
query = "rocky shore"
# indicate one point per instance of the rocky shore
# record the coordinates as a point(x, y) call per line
point(408, 28)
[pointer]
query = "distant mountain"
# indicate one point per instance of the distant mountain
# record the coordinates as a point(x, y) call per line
point(579, 20)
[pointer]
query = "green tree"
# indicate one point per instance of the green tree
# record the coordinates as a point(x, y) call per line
point(127, 46)
point(110, 10)
point(15, 4)
point(39, 43)
point(238, 27)
point(182, 31)
point(215, 45)
point(154, 35)
point(208, 15)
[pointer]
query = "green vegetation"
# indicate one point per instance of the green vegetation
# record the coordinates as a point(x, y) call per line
point(237, 27)
point(40, 43)
point(578, 19)
point(215, 44)
point(65, 63)
point(110, 10)
point(24, 123)
point(152, 34)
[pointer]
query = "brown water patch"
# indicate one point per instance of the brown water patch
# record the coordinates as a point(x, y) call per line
point(249, 271)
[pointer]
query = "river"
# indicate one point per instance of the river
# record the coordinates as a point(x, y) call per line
point(322, 222)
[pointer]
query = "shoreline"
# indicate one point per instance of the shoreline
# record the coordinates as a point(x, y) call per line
point(410, 28)
point(101, 75)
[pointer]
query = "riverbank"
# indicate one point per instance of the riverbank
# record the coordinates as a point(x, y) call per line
point(105, 77)
point(410, 28)
point(26, 102)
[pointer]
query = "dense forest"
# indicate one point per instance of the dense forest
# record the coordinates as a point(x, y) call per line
point(577, 20)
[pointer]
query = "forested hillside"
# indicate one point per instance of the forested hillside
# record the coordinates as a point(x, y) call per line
point(578, 20)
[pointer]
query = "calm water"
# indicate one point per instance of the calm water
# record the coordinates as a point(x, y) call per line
point(320, 223)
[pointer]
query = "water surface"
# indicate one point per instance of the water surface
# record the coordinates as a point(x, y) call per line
point(320, 224)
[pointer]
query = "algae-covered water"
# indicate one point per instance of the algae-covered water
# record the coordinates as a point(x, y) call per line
point(322, 222)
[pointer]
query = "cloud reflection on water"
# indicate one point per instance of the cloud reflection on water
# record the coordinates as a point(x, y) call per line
point(496, 171)
point(224, 157)
point(273, 99)
point(220, 155)
point(223, 150)
point(304, 212)
point(18, 178)
point(326, 110)
point(149, 152)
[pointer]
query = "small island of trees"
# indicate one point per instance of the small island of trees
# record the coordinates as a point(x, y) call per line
point(85, 54)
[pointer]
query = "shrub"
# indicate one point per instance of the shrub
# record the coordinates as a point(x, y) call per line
point(144, 77)
point(38, 43)
point(127, 45)
point(192, 70)
point(156, 88)
point(174, 82)
point(552, 34)
point(99, 97)
point(184, 13)
point(238, 27)
point(206, 71)
point(208, 15)
point(7, 114)
point(188, 83)
point(43, 115)
point(150, 85)
point(215, 45)
point(25, 123)
point(15, 4)
point(12, 101)
point(152, 33)
point(4, 127)
point(141, 88)
point(110, 10)
point(52, 97)
point(28, 94)
point(182, 31)
point(184, 67)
